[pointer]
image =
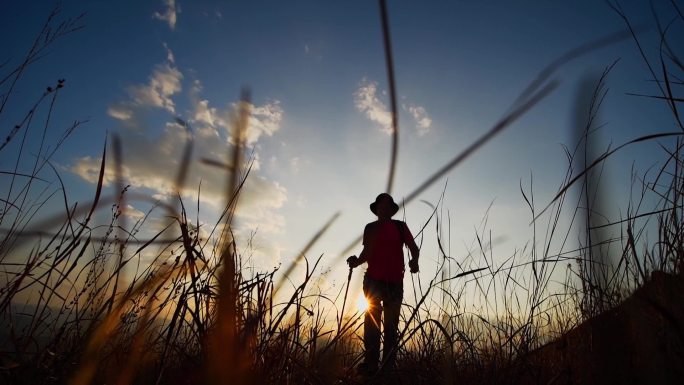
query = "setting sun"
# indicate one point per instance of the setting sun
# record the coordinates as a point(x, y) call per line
point(362, 303)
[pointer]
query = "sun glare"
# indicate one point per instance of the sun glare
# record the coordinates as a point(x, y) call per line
point(362, 303)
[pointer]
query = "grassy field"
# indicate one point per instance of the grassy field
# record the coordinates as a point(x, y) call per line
point(79, 307)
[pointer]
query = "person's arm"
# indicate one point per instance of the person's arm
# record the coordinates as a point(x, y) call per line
point(355, 261)
point(413, 249)
point(363, 257)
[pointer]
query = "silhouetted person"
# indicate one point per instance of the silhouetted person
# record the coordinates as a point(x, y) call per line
point(383, 242)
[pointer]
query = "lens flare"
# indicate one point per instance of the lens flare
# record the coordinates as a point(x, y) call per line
point(362, 303)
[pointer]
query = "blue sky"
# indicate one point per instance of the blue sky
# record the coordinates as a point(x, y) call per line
point(317, 75)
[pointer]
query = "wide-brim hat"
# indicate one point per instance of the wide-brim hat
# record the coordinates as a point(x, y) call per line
point(374, 205)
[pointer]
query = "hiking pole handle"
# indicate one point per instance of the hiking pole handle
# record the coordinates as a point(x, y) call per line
point(353, 261)
point(346, 292)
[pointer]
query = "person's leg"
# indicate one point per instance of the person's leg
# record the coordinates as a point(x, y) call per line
point(392, 309)
point(371, 324)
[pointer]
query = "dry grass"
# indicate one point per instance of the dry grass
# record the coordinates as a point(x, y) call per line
point(193, 312)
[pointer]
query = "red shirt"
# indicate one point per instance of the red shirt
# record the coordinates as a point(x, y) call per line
point(384, 254)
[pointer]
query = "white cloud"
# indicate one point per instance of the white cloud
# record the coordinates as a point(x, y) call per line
point(204, 114)
point(88, 168)
point(263, 197)
point(151, 161)
point(163, 84)
point(160, 197)
point(367, 102)
point(263, 120)
point(169, 14)
point(119, 112)
point(133, 213)
point(169, 54)
point(420, 116)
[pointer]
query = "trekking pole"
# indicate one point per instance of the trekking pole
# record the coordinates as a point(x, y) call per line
point(344, 301)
